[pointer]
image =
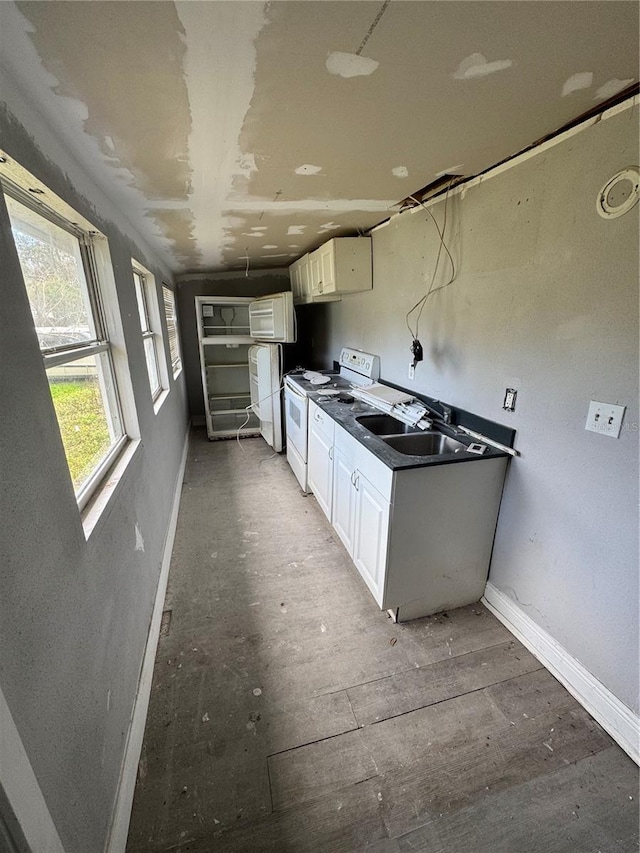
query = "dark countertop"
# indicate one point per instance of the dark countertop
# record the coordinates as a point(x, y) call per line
point(345, 414)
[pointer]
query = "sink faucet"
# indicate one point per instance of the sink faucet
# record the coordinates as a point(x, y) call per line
point(445, 417)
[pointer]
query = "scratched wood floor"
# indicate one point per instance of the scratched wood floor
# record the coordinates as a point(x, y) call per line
point(288, 714)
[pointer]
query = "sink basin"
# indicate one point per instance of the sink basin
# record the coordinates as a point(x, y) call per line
point(385, 425)
point(424, 444)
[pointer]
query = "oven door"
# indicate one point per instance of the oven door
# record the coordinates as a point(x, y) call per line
point(296, 419)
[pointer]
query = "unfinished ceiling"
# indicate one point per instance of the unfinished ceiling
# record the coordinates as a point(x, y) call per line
point(238, 133)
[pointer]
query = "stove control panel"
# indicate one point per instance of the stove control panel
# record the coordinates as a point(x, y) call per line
point(364, 363)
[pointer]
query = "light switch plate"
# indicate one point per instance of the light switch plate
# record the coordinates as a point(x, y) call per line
point(605, 418)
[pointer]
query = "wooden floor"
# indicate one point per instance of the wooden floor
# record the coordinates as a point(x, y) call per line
point(288, 714)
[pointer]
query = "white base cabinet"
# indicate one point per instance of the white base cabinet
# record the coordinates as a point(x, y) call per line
point(371, 535)
point(343, 510)
point(320, 456)
point(360, 511)
point(421, 538)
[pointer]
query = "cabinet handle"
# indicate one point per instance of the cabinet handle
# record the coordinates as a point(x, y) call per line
point(331, 452)
point(353, 474)
point(357, 482)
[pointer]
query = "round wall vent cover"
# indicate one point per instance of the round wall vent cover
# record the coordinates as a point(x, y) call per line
point(619, 194)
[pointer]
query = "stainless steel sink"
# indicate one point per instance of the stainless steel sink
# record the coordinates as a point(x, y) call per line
point(385, 425)
point(424, 444)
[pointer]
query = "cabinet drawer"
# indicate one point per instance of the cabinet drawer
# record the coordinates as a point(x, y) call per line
point(321, 420)
point(376, 472)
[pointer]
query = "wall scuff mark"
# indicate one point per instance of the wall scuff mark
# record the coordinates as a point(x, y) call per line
point(139, 540)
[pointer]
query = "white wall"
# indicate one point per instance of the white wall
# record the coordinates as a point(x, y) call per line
point(546, 301)
point(74, 614)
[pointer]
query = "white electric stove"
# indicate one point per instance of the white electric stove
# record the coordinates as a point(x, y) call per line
point(357, 369)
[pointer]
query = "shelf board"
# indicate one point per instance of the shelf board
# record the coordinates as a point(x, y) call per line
point(230, 433)
point(221, 340)
point(215, 412)
point(229, 330)
point(242, 364)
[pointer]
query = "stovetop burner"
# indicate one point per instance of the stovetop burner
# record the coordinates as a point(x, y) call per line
point(336, 383)
point(357, 369)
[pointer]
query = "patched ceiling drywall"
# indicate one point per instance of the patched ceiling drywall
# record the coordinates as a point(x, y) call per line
point(246, 133)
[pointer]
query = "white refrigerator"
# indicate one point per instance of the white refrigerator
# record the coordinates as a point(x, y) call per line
point(240, 340)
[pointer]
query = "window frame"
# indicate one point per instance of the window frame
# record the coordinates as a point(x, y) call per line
point(172, 323)
point(144, 284)
point(100, 346)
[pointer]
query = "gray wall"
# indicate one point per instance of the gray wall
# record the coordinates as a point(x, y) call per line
point(546, 301)
point(74, 614)
point(257, 283)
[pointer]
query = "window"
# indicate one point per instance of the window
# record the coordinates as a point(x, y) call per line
point(59, 268)
point(172, 328)
point(147, 312)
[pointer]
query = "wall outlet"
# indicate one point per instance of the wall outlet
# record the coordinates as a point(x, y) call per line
point(509, 403)
point(605, 418)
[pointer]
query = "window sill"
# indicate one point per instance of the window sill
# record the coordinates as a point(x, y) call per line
point(105, 495)
point(157, 403)
point(177, 373)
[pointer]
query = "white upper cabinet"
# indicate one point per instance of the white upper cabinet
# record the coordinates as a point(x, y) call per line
point(342, 265)
point(299, 273)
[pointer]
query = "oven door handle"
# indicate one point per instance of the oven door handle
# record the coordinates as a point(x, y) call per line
point(294, 392)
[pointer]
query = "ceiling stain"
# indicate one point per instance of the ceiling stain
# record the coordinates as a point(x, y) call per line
point(308, 169)
point(477, 65)
point(581, 80)
point(612, 88)
point(350, 64)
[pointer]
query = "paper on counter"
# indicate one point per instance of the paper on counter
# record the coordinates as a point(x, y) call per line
point(385, 394)
point(316, 378)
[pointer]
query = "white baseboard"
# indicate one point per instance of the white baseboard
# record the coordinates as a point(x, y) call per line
point(117, 840)
point(612, 714)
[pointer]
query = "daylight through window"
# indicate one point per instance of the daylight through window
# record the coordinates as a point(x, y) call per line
point(58, 267)
point(146, 296)
point(172, 327)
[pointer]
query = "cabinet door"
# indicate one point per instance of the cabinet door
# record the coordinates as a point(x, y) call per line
point(315, 274)
point(320, 466)
point(300, 281)
point(296, 289)
point(327, 269)
point(344, 499)
point(371, 535)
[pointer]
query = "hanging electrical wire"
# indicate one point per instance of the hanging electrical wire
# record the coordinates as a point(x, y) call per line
point(416, 346)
